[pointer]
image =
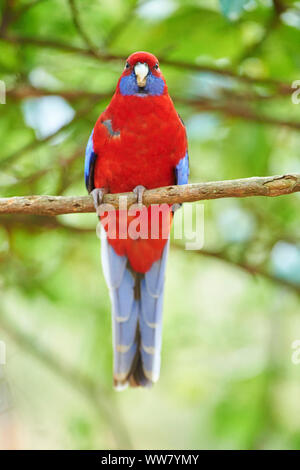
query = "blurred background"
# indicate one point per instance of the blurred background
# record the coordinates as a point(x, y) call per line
point(229, 377)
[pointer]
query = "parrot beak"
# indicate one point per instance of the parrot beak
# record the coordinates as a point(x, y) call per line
point(141, 71)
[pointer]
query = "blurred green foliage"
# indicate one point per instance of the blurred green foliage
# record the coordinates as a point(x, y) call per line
point(227, 377)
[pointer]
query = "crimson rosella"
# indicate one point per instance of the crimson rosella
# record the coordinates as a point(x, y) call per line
point(138, 142)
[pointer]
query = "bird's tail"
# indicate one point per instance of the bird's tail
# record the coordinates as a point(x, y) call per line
point(137, 301)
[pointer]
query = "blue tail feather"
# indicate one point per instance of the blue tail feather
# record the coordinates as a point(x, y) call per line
point(137, 320)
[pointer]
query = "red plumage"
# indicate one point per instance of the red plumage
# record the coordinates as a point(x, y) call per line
point(148, 142)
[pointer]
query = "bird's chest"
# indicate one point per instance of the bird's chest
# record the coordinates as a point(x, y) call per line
point(142, 147)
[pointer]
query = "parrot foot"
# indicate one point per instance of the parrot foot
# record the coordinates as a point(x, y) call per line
point(139, 191)
point(175, 207)
point(98, 194)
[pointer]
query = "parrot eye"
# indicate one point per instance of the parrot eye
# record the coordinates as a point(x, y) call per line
point(156, 67)
point(127, 66)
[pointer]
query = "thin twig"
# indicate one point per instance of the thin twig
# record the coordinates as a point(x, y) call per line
point(234, 105)
point(119, 27)
point(60, 163)
point(28, 91)
point(79, 28)
point(249, 268)
point(237, 111)
point(273, 22)
point(13, 157)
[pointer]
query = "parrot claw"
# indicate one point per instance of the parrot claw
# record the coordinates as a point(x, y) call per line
point(98, 194)
point(175, 207)
point(139, 191)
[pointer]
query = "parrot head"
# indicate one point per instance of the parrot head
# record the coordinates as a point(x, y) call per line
point(142, 76)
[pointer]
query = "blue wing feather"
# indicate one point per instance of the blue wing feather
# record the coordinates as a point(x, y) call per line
point(182, 170)
point(90, 158)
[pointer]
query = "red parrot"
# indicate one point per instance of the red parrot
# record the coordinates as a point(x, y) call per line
point(138, 142)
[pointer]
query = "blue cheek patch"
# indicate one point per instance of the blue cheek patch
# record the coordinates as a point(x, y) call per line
point(128, 85)
point(154, 86)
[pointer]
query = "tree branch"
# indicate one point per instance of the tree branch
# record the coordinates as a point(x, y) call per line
point(234, 105)
point(233, 110)
point(7, 15)
point(248, 268)
point(55, 205)
point(80, 30)
point(282, 88)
